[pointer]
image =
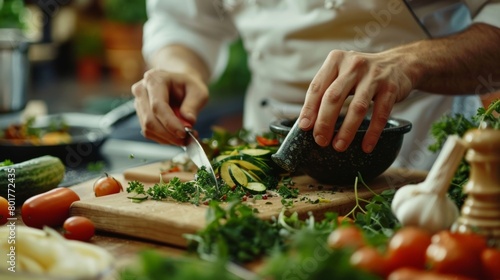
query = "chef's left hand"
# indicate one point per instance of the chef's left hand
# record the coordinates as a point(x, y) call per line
point(383, 78)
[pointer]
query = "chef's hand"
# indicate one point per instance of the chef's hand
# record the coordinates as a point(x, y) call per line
point(155, 96)
point(380, 78)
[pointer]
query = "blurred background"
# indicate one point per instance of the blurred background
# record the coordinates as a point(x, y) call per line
point(84, 55)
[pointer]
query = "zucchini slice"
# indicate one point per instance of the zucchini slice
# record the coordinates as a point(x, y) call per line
point(224, 174)
point(233, 175)
point(256, 152)
point(237, 175)
point(256, 187)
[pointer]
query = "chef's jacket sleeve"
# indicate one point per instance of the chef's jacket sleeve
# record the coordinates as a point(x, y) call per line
point(200, 25)
point(489, 13)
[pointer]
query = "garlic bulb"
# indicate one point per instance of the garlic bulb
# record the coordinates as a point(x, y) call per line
point(427, 205)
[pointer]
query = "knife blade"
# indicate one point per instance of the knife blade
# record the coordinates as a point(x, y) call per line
point(196, 153)
point(194, 150)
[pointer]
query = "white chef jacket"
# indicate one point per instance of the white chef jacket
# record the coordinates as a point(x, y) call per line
point(288, 40)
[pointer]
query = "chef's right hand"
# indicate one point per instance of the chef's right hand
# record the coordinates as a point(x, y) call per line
point(383, 78)
point(155, 96)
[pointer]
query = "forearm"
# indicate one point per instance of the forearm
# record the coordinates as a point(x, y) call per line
point(180, 59)
point(468, 62)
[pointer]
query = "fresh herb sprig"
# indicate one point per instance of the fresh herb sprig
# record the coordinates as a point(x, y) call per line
point(459, 125)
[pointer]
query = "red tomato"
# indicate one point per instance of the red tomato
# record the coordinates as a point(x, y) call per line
point(369, 259)
point(491, 263)
point(4, 210)
point(78, 228)
point(263, 141)
point(344, 220)
point(407, 273)
point(49, 208)
point(407, 248)
point(456, 253)
point(107, 185)
point(346, 236)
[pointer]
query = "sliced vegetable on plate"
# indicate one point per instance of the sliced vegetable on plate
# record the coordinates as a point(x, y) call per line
point(45, 254)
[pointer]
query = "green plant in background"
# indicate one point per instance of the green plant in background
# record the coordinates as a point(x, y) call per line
point(236, 76)
point(88, 41)
point(11, 14)
point(131, 11)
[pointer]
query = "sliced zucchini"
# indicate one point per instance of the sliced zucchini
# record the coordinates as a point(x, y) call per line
point(224, 174)
point(237, 175)
point(221, 157)
point(256, 152)
point(241, 167)
point(248, 165)
point(256, 187)
point(257, 174)
point(251, 176)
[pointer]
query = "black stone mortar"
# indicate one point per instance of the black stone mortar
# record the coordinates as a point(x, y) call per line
point(299, 152)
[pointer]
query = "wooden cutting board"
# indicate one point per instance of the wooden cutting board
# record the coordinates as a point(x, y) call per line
point(168, 221)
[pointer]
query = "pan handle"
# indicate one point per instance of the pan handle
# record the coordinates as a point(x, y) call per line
point(117, 114)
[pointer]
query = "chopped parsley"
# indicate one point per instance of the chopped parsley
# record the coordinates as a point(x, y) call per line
point(199, 191)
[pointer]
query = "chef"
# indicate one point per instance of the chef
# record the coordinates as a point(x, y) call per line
point(340, 45)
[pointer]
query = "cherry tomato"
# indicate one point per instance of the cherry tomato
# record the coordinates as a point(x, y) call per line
point(4, 210)
point(456, 253)
point(49, 208)
point(407, 248)
point(369, 259)
point(107, 185)
point(346, 237)
point(78, 228)
point(407, 273)
point(344, 220)
point(491, 263)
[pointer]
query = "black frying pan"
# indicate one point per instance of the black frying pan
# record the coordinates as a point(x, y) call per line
point(88, 133)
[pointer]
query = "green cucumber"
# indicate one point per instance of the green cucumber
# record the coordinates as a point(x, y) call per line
point(23, 180)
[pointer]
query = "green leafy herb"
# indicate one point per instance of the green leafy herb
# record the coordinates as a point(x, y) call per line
point(234, 233)
point(154, 266)
point(139, 190)
point(96, 166)
point(30, 129)
point(308, 257)
point(459, 125)
point(488, 115)
point(57, 124)
point(6, 162)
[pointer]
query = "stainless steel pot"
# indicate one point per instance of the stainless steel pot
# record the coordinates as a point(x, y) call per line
point(14, 70)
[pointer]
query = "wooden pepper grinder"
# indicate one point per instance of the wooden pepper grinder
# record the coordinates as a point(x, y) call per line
point(481, 210)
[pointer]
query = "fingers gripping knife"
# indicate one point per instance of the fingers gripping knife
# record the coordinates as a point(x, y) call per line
point(194, 149)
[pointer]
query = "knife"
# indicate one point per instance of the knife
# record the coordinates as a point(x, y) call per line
point(194, 150)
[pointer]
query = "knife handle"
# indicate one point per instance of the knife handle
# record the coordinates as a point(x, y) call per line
point(177, 112)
